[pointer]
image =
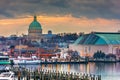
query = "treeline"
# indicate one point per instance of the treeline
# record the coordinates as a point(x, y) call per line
point(102, 55)
point(66, 37)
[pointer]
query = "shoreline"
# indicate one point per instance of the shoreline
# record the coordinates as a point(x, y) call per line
point(73, 62)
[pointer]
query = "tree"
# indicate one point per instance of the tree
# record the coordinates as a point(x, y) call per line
point(111, 56)
point(99, 55)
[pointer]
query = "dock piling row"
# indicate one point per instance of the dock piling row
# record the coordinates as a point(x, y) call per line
point(41, 74)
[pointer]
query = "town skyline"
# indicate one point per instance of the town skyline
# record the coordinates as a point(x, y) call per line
point(59, 16)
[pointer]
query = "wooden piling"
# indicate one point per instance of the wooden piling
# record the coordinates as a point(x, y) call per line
point(42, 74)
point(19, 75)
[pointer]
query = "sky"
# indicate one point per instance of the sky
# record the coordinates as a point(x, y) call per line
point(60, 16)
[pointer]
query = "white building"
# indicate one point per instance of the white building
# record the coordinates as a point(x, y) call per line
point(88, 44)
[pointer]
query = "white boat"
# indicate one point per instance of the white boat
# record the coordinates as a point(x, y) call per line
point(7, 76)
point(26, 61)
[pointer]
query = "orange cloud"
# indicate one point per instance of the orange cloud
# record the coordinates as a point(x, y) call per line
point(58, 24)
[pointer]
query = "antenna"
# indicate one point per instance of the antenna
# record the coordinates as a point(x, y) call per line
point(16, 33)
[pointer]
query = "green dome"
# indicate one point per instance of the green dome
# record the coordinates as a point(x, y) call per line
point(35, 25)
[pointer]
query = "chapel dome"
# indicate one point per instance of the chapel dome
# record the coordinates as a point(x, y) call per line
point(35, 25)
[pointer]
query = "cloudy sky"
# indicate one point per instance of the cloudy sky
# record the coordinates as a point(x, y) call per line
point(59, 15)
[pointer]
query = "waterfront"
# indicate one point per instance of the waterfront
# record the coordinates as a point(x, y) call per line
point(108, 71)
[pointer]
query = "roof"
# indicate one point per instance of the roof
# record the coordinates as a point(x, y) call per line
point(35, 25)
point(99, 38)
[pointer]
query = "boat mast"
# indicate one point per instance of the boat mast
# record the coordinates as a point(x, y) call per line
point(19, 47)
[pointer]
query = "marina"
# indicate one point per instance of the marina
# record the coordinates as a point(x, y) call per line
point(23, 73)
point(106, 71)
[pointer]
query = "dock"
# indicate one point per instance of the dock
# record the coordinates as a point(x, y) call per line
point(41, 74)
point(66, 62)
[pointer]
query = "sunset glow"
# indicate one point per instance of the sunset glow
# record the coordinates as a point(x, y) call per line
point(58, 24)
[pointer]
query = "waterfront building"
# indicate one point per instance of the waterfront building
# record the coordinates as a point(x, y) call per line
point(88, 44)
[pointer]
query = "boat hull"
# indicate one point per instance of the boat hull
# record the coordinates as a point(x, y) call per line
point(27, 62)
point(5, 62)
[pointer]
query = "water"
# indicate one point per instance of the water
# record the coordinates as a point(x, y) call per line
point(108, 71)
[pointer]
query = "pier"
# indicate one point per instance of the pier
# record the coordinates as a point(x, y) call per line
point(41, 74)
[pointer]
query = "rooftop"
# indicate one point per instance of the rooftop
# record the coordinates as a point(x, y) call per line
point(35, 25)
point(99, 38)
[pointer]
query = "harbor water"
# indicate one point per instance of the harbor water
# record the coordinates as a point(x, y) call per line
point(108, 71)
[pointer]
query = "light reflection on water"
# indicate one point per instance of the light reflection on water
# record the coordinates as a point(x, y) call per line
point(108, 71)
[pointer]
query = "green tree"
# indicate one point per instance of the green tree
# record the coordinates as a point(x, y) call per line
point(108, 56)
point(99, 55)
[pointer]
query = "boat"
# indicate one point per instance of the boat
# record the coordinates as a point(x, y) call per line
point(4, 60)
point(26, 61)
point(7, 76)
